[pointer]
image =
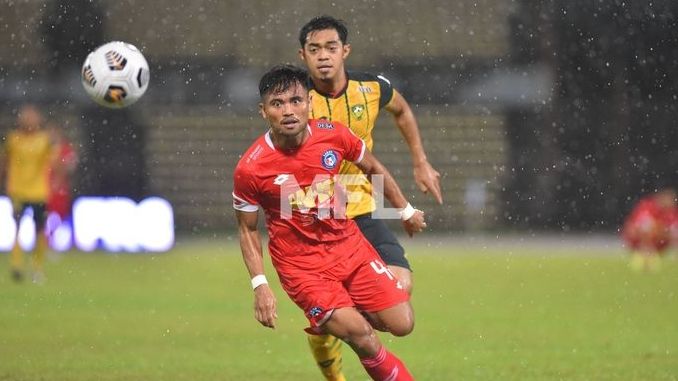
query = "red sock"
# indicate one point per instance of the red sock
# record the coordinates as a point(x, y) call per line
point(386, 367)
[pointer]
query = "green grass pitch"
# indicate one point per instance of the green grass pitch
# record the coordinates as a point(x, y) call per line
point(493, 313)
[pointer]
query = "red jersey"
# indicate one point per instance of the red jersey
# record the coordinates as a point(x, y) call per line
point(59, 199)
point(296, 190)
point(650, 225)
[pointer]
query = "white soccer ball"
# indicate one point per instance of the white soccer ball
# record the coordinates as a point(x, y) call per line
point(115, 75)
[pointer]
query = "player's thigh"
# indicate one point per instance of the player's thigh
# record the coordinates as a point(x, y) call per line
point(347, 323)
point(388, 248)
point(316, 294)
point(404, 276)
point(372, 286)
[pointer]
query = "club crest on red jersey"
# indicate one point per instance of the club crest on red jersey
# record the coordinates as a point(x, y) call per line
point(330, 159)
point(315, 311)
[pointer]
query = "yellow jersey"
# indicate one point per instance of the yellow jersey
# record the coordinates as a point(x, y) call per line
point(28, 158)
point(357, 106)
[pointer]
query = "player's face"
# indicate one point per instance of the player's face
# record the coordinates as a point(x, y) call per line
point(286, 111)
point(324, 54)
point(29, 118)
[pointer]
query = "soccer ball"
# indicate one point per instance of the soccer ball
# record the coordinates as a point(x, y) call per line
point(115, 75)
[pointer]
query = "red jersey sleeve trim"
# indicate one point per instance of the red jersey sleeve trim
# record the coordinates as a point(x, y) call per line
point(362, 152)
point(242, 205)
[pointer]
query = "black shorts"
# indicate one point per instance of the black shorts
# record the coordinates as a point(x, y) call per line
point(39, 212)
point(382, 239)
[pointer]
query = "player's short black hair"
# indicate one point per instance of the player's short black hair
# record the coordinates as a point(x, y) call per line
point(322, 23)
point(282, 77)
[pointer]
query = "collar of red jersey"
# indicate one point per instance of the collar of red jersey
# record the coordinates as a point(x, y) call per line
point(267, 137)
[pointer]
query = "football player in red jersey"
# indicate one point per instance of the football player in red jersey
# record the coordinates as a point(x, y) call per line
point(61, 174)
point(650, 228)
point(324, 264)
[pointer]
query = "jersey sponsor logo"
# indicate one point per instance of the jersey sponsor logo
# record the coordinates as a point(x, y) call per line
point(358, 111)
point(365, 89)
point(330, 159)
point(280, 179)
point(255, 153)
point(325, 125)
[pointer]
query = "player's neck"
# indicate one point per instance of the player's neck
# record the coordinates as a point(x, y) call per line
point(28, 131)
point(287, 142)
point(331, 86)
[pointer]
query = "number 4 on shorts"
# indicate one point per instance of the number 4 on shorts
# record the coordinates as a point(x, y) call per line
point(379, 268)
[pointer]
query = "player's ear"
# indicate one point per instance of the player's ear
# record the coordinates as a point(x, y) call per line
point(261, 110)
point(347, 50)
point(301, 55)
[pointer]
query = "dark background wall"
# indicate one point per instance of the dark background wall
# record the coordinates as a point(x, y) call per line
point(544, 114)
point(608, 134)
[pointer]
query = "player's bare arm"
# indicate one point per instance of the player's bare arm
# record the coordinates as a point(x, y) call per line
point(426, 177)
point(371, 166)
point(250, 245)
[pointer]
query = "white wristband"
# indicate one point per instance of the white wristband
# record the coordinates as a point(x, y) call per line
point(258, 280)
point(407, 212)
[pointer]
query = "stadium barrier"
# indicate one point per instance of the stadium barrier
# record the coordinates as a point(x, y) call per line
point(112, 224)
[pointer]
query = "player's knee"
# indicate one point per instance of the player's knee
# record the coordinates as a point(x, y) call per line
point(348, 325)
point(403, 327)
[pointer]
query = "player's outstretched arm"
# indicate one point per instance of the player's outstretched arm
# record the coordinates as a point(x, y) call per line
point(426, 177)
point(413, 219)
point(250, 244)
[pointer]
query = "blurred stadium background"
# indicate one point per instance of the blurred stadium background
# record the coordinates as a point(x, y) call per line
point(541, 115)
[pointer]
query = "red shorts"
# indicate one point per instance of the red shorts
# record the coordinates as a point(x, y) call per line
point(358, 279)
point(652, 243)
point(646, 235)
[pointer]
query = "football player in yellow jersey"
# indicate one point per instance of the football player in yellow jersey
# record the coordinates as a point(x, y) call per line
point(355, 100)
point(24, 166)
